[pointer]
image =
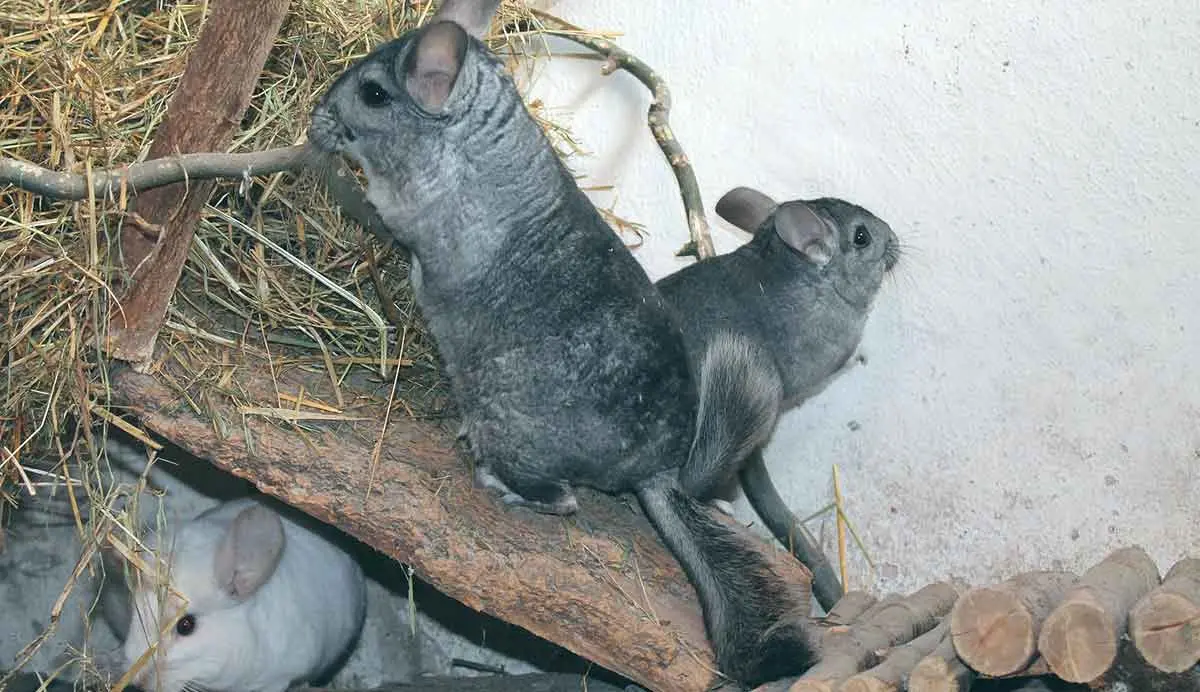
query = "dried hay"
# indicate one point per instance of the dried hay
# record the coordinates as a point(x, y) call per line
point(274, 270)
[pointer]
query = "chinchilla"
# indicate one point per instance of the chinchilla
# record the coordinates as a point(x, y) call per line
point(250, 599)
point(565, 363)
point(800, 291)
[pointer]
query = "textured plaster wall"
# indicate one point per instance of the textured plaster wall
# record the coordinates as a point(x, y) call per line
point(1031, 397)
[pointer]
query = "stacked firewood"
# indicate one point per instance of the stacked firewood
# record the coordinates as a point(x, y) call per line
point(1118, 622)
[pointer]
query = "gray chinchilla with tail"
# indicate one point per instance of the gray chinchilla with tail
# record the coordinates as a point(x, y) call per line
point(799, 292)
point(565, 362)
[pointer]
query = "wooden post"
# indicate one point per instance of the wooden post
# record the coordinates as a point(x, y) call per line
point(206, 108)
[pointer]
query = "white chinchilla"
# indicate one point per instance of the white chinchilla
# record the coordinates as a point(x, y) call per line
point(251, 601)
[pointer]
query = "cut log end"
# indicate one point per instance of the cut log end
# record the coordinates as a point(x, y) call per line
point(992, 632)
point(860, 684)
point(1081, 637)
point(1166, 630)
point(1165, 624)
point(939, 675)
point(941, 671)
point(1078, 641)
point(995, 628)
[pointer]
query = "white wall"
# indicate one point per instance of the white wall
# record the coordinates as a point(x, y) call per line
point(1031, 397)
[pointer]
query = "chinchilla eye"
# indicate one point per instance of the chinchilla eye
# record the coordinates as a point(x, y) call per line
point(373, 95)
point(186, 625)
point(862, 237)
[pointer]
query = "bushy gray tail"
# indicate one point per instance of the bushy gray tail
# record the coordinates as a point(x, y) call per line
point(755, 622)
point(740, 393)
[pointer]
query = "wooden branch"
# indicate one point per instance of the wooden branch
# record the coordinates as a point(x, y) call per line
point(845, 651)
point(612, 595)
point(995, 628)
point(352, 200)
point(207, 106)
point(658, 117)
point(941, 670)
point(890, 674)
point(1165, 623)
point(138, 177)
point(849, 608)
point(1080, 637)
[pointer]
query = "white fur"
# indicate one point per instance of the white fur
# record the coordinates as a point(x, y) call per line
point(292, 629)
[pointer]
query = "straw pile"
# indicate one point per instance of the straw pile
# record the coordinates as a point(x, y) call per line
point(274, 270)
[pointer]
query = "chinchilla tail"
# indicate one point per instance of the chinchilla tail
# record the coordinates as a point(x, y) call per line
point(740, 393)
point(758, 627)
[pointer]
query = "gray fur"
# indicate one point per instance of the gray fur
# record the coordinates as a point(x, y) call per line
point(566, 364)
point(799, 292)
point(732, 367)
point(809, 318)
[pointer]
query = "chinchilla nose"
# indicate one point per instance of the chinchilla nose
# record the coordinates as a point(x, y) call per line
point(326, 129)
point(343, 130)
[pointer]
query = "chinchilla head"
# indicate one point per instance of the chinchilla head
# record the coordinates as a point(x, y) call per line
point(848, 245)
point(438, 127)
point(191, 625)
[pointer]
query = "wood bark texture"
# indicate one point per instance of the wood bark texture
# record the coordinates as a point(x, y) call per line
point(890, 674)
point(995, 628)
point(1165, 624)
point(941, 670)
point(1080, 638)
point(848, 650)
point(206, 108)
point(611, 593)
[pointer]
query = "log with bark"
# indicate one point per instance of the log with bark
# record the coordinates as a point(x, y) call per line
point(1081, 622)
point(204, 112)
point(1080, 638)
point(995, 628)
point(999, 626)
point(610, 592)
point(941, 670)
point(1165, 624)
point(858, 629)
point(601, 585)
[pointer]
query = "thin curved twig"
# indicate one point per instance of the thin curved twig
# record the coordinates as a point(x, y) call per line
point(149, 174)
point(158, 172)
point(658, 117)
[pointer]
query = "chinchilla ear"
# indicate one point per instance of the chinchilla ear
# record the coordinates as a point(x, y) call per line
point(431, 68)
point(249, 552)
point(805, 232)
point(474, 16)
point(745, 208)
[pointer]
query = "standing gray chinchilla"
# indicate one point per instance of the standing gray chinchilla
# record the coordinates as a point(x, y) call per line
point(565, 363)
point(801, 291)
